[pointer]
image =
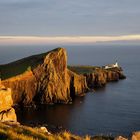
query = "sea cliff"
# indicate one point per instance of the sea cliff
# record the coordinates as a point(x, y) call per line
point(46, 79)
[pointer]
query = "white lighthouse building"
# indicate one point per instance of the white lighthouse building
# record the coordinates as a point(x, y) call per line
point(115, 65)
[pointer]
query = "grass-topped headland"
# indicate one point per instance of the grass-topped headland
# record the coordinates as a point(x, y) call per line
point(21, 66)
point(81, 69)
point(46, 78)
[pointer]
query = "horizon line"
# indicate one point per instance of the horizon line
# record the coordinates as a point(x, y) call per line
point(65, 39)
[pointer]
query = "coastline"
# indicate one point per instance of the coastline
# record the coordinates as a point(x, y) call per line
point(82, 79)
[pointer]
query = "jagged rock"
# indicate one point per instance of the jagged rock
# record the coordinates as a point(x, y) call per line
point(8, 115)
point(136, 135)
point(57, 84)
point(112, 76)
point(78, 84)
point(5, 99)
point(120, 138)
point(44, 130)
point(100, 77)
point(96, 79)
point(23, 87)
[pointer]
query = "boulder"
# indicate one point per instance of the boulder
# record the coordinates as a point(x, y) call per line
point(120, 138)
point(8, 115)
point(136, 135)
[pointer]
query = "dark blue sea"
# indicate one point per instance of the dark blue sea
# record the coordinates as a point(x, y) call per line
point(112, 110)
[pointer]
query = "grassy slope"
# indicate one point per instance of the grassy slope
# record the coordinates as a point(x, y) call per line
point(8, 131)
point(90, 69)
point(83, 69)
point(20, 66)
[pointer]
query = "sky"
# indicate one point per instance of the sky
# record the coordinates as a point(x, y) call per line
point(67, 20)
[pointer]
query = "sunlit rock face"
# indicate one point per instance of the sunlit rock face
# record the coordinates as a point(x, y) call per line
point(57, 84)
point(23, 87)
point(136, 135)
point(7, 113)
point(49, 82)
point(5, 99)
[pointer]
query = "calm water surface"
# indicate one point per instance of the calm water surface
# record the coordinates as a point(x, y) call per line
point(114, 109)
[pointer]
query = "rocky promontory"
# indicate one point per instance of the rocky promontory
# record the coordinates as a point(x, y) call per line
point(46, 79)
point(97, 77)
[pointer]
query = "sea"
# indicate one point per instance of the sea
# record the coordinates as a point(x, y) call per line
point(112, 110)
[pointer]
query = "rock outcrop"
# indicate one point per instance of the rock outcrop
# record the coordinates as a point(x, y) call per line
point(5, 99)
point(136, 135)
point(78, 84)
point(99, 77)
point(120, 138)
point(56, 84)
point(24, 88)
point(7, 113)
point(48, 82)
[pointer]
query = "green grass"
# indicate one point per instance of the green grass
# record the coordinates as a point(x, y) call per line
point(20, 66)
point(83, 69)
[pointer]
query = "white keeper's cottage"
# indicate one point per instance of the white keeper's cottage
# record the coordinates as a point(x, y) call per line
point(112, 66)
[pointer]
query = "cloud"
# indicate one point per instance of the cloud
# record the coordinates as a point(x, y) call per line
point(36, 40)
point(69, 17)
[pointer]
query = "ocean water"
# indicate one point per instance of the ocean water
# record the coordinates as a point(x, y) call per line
point(112, 110)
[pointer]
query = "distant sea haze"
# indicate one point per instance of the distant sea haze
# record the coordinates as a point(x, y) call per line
point(110, 110)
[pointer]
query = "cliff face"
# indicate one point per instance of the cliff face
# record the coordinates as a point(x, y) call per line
point(56, 84)
point(100, 77)
point(53, 80)
point(23, 88)
point(96, 79)
point(78, 84)
point(5, 99)
point(7, 113)
point(49, 82)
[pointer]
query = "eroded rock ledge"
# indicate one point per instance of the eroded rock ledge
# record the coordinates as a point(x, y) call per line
point(46, 79)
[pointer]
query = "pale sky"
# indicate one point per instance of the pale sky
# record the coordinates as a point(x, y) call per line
point(94, 20)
